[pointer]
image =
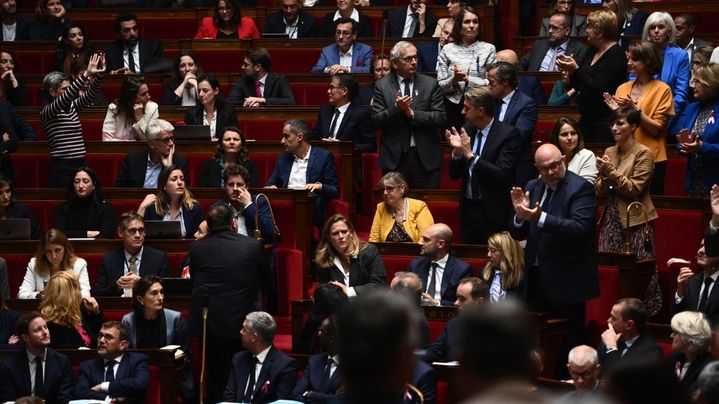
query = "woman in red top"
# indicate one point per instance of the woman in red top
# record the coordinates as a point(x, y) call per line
point(228, 22)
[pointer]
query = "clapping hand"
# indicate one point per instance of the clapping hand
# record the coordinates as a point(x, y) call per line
point(604, 164)
point(566, 63)
point(459, 141)
point(404, 104)
point(458, 75)
point(520, 202)
point(688, 142)
point(611, 101)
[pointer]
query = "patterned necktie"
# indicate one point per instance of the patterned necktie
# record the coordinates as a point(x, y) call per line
point(495, 290)
point(133, 265)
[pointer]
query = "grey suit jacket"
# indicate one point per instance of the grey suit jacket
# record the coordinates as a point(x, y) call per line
point(532, 60)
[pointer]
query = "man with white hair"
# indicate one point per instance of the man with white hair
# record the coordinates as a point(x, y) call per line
point(142, 168)
point(583, 366)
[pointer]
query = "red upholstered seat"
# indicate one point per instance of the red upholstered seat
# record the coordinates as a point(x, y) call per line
point(447, 213)
point(289, 279)
point(542, 131)
point(597, 310)
point(674, 177)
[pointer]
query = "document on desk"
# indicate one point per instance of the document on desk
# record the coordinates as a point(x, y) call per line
point(450, 364)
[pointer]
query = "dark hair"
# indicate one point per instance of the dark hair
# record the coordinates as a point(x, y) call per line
point(234, 5)
point(328, 299)
point(128, 217)
point(644, 379)
point(347, 20)
point(347, 81)
point(41, 13)
point(78, 64)
point(554, 138)
point(70, 25)
point(635, 310)
point(124, 333)
point(632, 115)
point(5, 181)
point(505, 72)
point(23, 323)
point(688, 19)
point(12, 54)
point(128, 91)
point(63, 48)
point(259, 56)
point(123, 17)
point(219, 98)
point(376, 57)
point(139, 290)
point(482, 97)
point(647, 52)
point(232, 170)
point(162, 203)
point(178, 60)
point(98, 196)
point(300, 126)
point(552, 7)
point(457, 28)
point(479, 287)
point(244, 154)
point(219, 218)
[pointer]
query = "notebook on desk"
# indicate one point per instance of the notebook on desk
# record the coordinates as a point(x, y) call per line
point(15, 229)
point(163, 229)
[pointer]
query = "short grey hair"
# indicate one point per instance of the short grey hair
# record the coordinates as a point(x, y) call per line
point(582, 355)
point(53, 80)
point(263, 324)
point(397, 48)
point(660, 17)
point(299, 126)
point(155, 127)
point(708, 383)
point(693, 327)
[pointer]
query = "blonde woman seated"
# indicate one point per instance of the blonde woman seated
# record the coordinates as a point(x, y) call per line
point(54, 254)
point(344, 260)
point(398, 218)
point(505, 269)
point(73, 321)
point(128, 117)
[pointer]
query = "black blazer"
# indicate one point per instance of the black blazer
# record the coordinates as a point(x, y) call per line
point(364, 29)
point(454, 271)
point(494, 173)
point(149, 50)
point(76, 219)
point(112, 268)
point(211, 174)
point(277, 91)
point(58, 378)
point(225, 117)
point(429, 114)
point(46, 31)
point(690, 302)
point(131, 378)
point(8, 318)
point(445, 347)
point(22, 29)
point(134, 166)
point(367, 271)
point(689, 382)
point(218, 284)
point(356, 126)
point(565, 246)
point(532, 60)
point(65, 337)
point(191, 217)
point(276, 379)
point(12, 123)
point(398, 17)
point(312, 381)
point(306, 26)
point(643, 347)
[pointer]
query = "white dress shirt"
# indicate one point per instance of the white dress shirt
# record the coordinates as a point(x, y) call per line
point(505, 105)
point(408, 30)
point(135, 56)
point(298, 172)
point(441, 264)
point(137, 263)
point(340, 117)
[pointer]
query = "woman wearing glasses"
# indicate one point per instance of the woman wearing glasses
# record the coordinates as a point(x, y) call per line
point(398, 218)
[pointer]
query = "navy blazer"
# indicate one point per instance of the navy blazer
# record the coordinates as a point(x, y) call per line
point(445, 347)
point(330, 55)
point(367, 271)
point(277, 91)
point(192, 217)
point(690, 301)
point(12, 123)
point(276, 379)
point(306, 24)
point(131, 378)
point(565, 246)
point(312, 381)
point(428, 53)
point(522, 114)
point(267, 227)
point(321, 168)
point(15, 376)
point(150, 50)
point(365, 94)
point(112, 267)
point(397, 18)
point(531, 86)
point(454, 271)
point(356, 126)
point(134, 167)
point(710, 146)
point(364, 26)
point(424, 378)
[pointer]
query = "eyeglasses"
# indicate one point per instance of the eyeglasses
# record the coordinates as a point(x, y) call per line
point(343, 33)
point(135, 230)
point(584, 375)
point(388, 189)
point(551, 166)
point(409, 59)
point(166, 140)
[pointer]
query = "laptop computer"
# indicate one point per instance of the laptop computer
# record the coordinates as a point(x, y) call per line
point(192, 132)
point(177, 286)
point(163, 229)
point(277, 35)
point(15, 229)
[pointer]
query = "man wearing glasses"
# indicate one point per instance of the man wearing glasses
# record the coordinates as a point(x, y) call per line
point(346, 55)
point(142, 168)
point(291, 21)
point(121, 269)
point(544, 51)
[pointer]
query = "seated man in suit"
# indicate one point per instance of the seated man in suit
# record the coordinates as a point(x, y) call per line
point(380, 67)
point(343, 119)
point(439, 271)
point(346, 55)
point(685, 34)
point(130, 54)
point(321, 377)
point(584, 369)
point(122, 268)
point(302, 166)
point(142, 168)
point(262, 374)
point(291, 20)
point(429, 52)
point(346, 10)
point(696, 292)
point(625, 336)
point(117, 374)
point(245, 204)
point(415, 20)
point(529, 85)
point(36, 369)
point(470, 291)
point(258, 86)
point(544, 51)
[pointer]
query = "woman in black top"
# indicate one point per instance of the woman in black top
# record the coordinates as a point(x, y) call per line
point(11, 90)
point(49, 21)
point(9, 209)
point(182, 88)
point(211, 109)
point(230, 149)
point(86, 213)
point(73, 44)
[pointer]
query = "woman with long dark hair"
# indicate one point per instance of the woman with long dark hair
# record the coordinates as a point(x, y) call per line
point(173, 201)
point(50, 17)
point(127, 118)
point(11, 90)
point(73, 44)
point(211, 109)
point(227, 23)
point(231, 149)
point(182, 88)
point(567, 136)
point(86, 213)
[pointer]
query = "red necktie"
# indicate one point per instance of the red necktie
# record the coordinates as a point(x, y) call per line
point(257, 88)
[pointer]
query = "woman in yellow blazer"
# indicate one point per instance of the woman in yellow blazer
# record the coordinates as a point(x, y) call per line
point(398, 218)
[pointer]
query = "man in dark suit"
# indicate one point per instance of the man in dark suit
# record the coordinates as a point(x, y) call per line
point(346, 10)
point(470, 291)
point(517, 109)
point(698, 292)
point(15, 26)
point(557, 214)
point(485, 154)
point(12, 130)
point(544, 52)
point(36, 369)
point(142, 168)
point(258, 86)
point(439, 271)
point(409, 109)
point(526, 83)
point(429, 52)
point(343, 119)
point(291, 21)
point(412, 22)
point(129, 54)
point(685, 34)
point(625, 336)
point(116, 374)
point(315, 167)
point(262, 374)
point(321, 377)
point(122, 268)
point(227, 271)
